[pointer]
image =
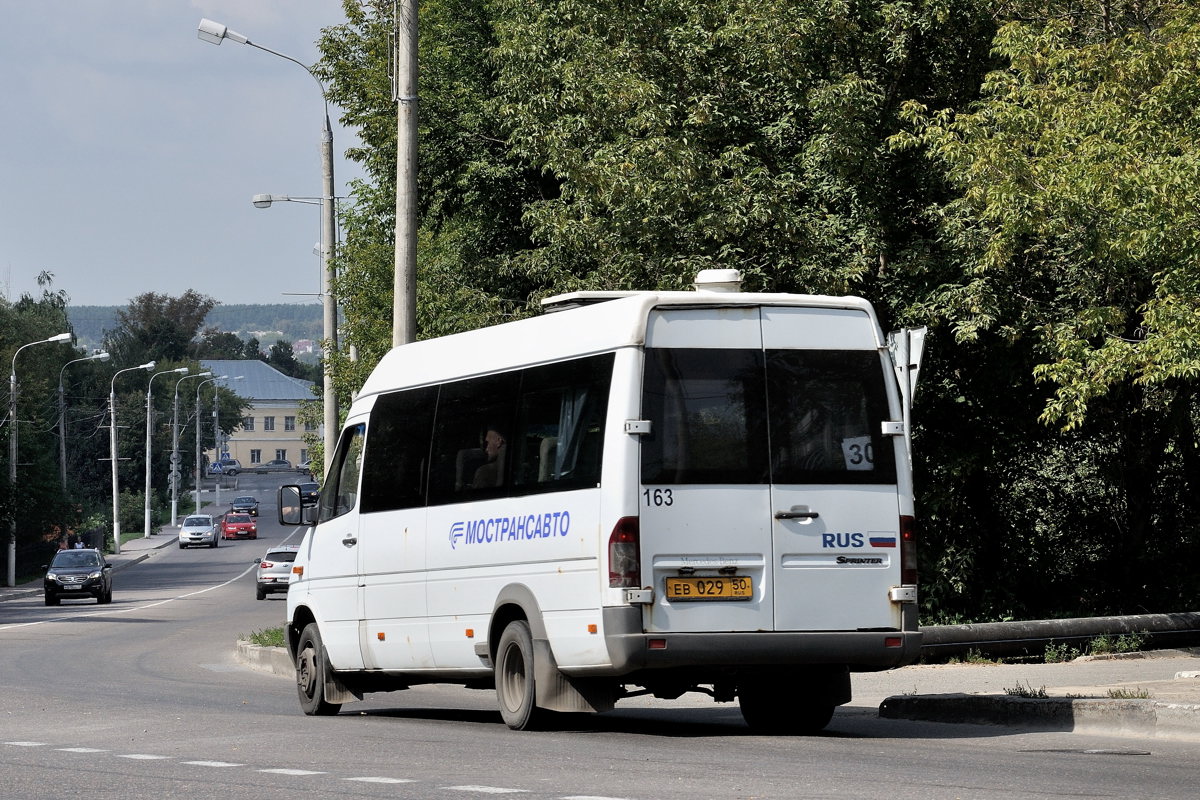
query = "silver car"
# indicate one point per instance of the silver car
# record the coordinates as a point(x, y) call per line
point(198, 529)
point(275, 570)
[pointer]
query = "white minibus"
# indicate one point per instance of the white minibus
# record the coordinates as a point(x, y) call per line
point(634, 493)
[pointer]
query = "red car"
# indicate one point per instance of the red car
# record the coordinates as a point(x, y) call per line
point(238, 526)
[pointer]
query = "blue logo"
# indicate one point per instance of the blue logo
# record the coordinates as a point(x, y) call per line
point(518, 528)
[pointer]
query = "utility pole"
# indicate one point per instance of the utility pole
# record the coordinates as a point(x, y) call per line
point(404, 92)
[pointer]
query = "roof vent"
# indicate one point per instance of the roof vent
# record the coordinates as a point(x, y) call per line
point(718, 280)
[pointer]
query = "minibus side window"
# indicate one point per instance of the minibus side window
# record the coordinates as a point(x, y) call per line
point(340, 492)
point(826, 409)
point(397, 450)
point(560, 428)
point(706, 408)
point(472, 416)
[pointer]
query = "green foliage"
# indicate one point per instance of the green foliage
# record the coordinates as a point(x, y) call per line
point(1130, 694)
point(1027, 691)
point(1122, 643)
point(268, 637)
point(1059, 653)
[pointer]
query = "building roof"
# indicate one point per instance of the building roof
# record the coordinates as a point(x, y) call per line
point(260, 381)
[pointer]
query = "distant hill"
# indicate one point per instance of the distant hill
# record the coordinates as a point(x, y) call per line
point(266, 322)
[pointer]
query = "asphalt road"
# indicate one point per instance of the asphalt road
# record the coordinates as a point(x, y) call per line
point(144, 699)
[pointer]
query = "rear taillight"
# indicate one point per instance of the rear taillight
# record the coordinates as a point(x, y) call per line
point(624, 561)
point(265, 565)
point(908, 550)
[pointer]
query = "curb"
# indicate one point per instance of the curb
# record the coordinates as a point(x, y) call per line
point(274, 660)
point(1137, 718)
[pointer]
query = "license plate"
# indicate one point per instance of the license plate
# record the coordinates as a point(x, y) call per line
point(734, 587)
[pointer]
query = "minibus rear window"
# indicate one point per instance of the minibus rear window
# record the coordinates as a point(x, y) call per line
point(739, 416)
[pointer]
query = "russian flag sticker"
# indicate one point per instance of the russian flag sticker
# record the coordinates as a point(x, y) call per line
point(883, 541)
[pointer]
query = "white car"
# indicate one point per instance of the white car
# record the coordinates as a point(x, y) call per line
point(198, 529)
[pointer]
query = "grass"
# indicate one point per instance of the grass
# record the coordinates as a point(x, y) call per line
point(271, 637)
point(1027, 691)
point(1129, 694)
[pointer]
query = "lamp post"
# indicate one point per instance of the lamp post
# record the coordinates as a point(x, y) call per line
point(62, 414)
point(175, 475)
point(149, 428)
point(215, 33)
point(198, 385)
point(112, 450)
point(12, 452)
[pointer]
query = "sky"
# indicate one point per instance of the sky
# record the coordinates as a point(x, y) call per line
point(130, 149)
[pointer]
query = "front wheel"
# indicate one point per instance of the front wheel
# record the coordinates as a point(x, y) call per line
point(53, 600)
point(515, 689)
point(312, 666)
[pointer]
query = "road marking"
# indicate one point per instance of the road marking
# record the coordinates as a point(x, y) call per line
point(111, 611)
point(27, 744)
point(142, 756)
point(295, 772)
point(485, 789)
point(381, 780)
point(80, 750)
point(212, 764)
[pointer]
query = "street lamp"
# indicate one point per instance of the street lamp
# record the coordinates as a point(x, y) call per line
point(62, 414)
point(112, 450)
point(175, 476)
point(12, 452)
point(149, 427)
point(198, 385)
point(215, 33)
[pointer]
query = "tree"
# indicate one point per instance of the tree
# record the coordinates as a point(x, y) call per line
point(158, 327)
point(218, 344)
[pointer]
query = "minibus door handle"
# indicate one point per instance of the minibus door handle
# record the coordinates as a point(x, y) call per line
point(350, 541)
point(797, 512)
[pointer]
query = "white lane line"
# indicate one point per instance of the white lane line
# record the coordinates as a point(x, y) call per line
point(485, 789)
point(111, 611)
point(295, 772)
point(212, 764)
point(79, 750)
point(143, 756)
point(28, 744)
point(381, 780)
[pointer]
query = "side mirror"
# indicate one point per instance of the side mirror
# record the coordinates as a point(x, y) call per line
point(291, 510)
point(258, 561)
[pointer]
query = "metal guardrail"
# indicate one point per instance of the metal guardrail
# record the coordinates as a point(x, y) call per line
point(1031, 638)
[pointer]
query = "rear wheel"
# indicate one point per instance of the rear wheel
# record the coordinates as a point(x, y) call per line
point(515, 689)
point(312, 666)
point(784, 707)
point(260, 594)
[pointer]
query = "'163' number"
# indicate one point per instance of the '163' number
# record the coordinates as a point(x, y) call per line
point(658, 497)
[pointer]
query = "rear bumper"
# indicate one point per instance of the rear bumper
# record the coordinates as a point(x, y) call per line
point(630, 648)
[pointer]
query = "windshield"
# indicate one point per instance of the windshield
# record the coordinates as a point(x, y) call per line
point(69, 559)
point(192, 522)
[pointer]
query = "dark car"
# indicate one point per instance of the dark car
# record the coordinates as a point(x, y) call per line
point(276, 465)
point(310, 493)
point(78, 573)
point(245, 505)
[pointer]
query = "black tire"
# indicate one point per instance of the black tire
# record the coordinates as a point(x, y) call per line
point(312, 665)
point(215, 541)
point(778, 707)
point(515, 688)
point(53, 600)
point(260, 594)
point(105, 597)
point(182, 546)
